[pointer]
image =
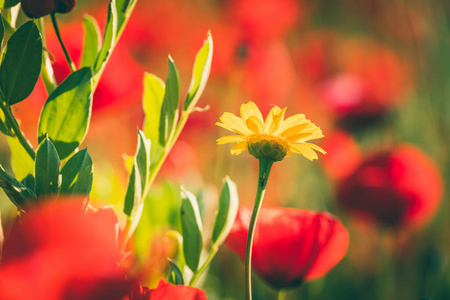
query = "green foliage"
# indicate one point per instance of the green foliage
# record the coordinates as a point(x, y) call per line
point(200, 73)
point(4, 4)
point(21, 64)
point(17, 192)
point(77, 174)
point(48, 181)
point(66, 114)
point(4, 125)
point(2, 30)
point(191, 225)
point(169, 107)
point(109, 38)
point(226, 211)
point(92, 41)
point(123, 10)
point(175, 275)
point(21, 163)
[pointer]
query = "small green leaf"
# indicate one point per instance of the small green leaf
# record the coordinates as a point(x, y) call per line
point(151, 102)
point(4, 4)
point(169, 107)
point(77, 174)
point(29, 182)
point(175, 276)
point(47, 169)
point(191, 225)
point(18, 193)
point(92, 41)
point(109, 37)
point(200, 73)
point(2, 31)
point(21, 163)
point(226, 211)
point(66, 114)
point(21, 63)
point(138, 183)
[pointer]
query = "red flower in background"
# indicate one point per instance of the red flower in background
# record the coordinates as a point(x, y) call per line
point(400, 187)
point(290, 245)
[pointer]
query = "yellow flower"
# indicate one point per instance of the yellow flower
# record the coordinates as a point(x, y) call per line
point(273, 138)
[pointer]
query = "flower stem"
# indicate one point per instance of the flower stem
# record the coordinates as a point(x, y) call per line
point(281, 294)
point(208, 260)
point(264, 169)
point(58, 34)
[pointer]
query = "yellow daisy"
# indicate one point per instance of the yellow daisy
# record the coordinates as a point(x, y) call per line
point(273, 138)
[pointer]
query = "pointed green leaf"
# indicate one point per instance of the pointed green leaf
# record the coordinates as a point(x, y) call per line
point(4, 4)
point(175, 276)
point(124, 9)
point(191, 225)
point(29, 182)
point(66, 114)
point(21, 64)
point(92, 41)
point(18, 193)
point(151, 102)
point(138, 183)
point(226, 211)
point(200, 73)
point(109, 38)
point(77, 174)
point(22, 164)
point(2, 31)
point(47, 169)
point(169, 107)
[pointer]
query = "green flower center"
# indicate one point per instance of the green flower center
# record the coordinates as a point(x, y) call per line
point(267, 146)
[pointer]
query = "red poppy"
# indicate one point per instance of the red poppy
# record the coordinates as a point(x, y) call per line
point(168, 291)
point(290, 245)
point(399, 187)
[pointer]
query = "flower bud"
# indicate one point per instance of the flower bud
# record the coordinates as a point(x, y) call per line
point(270, 149)
point(64, 6)
point(40, 8)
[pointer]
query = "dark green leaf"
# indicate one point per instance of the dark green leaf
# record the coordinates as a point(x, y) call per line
point(191, 225)
point(47, 169)
point(4, 4)
point(77, 174)
point(226, 211)
point(175, 276)
point(92, 41)
point(29, 182)
point(2, 30)
point(169, 107)
point(66, 114)
point(200, 73)
point(21, 64)
point(22, 164)
point(18, 193)
point(109, 37)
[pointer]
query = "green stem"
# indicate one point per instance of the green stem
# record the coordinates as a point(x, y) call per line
point(66, 53)
point(15, 127)
point(281, 294)
point(264, 170)
point(47, 73)
point(208, 260)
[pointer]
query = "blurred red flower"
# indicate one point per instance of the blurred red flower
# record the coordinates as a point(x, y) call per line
point(290, 245)
point(399, 187)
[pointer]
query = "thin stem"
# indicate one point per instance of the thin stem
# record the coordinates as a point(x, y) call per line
point(208, 260)
point(264, 170)
point(47, 73)
point(281, 294)
point(58, 34)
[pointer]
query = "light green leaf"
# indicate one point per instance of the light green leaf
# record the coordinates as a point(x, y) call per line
point(109, 38)
point(18, 193)
point(169, 107)
point(67, 112)
point(4, 4)
point(200, 73)
point(151, 102)
point(4, 126)
point(92, 41)
point(124, 9)
point(47, 169)
point(77, 174)
point(175, 276)
point(191, 225)
point(226, 211)
point(21, 63)
point(21, 163)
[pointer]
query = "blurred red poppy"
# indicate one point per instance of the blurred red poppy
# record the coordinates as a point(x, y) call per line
point(290, 245)
point(399, 187)
point(168, 291)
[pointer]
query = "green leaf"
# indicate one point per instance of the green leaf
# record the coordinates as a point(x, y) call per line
point(18, 193)
point(77, 174)
point(151, 102)
point(109, 38)
point(138, 183)
point(2, 31)
point(92, 41)
point(226, 211)
point(21, 64)
point(22, 164)
point(4, 126)
point(200, 73)
point(66, 114)
point(47, 169)
point(4, 4)
point(124, 9)
point(169, 107)
point(191, 225)
point(175, 276)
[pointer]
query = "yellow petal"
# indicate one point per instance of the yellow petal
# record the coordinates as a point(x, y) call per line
point(239, 148)
point(230, 139)
point(254, 124)
point(317, 148)
point(292, 121)
point(274, 119)
point(234, 123)
point(303, 149)
point(291, 132)
point(250, 109)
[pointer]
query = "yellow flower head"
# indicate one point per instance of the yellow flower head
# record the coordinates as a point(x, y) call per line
point(273, 138)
